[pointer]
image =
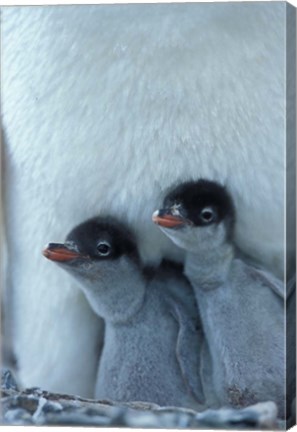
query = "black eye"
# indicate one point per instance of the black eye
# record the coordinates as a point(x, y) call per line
point(103, 248)
point(207, 214)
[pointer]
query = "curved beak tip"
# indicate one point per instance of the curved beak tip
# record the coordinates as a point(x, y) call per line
point(45, 252)
point(155, 216)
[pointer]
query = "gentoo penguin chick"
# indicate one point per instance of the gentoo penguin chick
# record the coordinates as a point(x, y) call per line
point(151, 350)
point(241, 307)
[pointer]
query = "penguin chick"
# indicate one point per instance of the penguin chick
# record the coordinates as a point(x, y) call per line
point(151, 347)
point(241, 307)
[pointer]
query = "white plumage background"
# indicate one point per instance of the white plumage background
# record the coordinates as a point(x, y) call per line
point(104, 108)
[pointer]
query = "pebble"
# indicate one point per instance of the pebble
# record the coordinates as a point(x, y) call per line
point(37, 407)
point(8, 381)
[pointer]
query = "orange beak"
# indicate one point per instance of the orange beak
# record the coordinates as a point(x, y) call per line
point(167, 220)
point(59, 252)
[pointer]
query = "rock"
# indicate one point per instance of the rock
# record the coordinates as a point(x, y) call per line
point(8, 380)
point(17, 416)
point(261, 415)
point(38, 407)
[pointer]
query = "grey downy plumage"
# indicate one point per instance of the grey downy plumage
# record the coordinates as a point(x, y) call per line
point(241, 307)
point(152, 338)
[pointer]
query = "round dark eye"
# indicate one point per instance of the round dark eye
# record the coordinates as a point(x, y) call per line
point(103, 248)
point(207, 214)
